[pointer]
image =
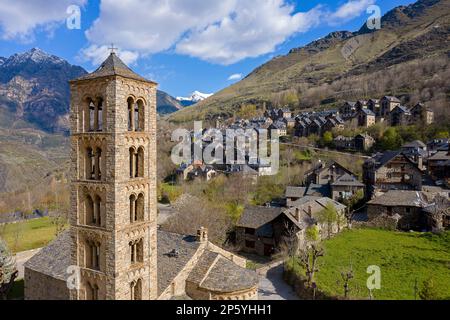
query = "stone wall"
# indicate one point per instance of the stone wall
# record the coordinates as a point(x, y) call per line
point(39, 286)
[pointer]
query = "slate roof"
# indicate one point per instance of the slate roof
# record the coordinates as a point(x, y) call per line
point(401, 198)
point(368, 112)
point(348, 180)
point(113, 66)
point(415, 144)
point(170, 266)
point(295, 192)
point(255, 217)
point(317, 204)
point(392, 98)
point(440, 156)
point(320, 190)
point(54, 259)
point(226, 276)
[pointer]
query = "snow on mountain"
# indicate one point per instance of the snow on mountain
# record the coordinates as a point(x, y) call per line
point(34, 55)
point(195, 97)
point(2, 60)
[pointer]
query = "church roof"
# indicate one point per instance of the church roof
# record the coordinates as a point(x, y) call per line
point(170, 265)
point(113, 66)
point(226, 276)
point(54, 259)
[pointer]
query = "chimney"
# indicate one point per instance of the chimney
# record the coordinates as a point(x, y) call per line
point(202, 234)
point(297, 214)
point(420, 162)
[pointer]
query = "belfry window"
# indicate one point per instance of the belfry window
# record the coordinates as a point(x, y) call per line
point(93, 164)
point(130, 114)
point(137, 251)
point(136, 160)
point(136, 208)
point(136, 290)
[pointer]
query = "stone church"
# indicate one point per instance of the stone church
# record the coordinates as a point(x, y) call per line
point(113, 249)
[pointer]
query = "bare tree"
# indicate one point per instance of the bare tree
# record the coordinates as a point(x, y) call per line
point(346, 277)
point(308, 259)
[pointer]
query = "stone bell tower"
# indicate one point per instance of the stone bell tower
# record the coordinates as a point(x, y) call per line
point(113, 184)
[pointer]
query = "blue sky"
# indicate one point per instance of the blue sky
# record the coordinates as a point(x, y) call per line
point(185, 45)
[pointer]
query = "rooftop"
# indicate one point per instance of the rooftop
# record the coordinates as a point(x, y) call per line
point(255, 217)
point(113, 66)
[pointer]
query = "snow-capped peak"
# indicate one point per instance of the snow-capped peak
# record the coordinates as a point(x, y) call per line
point(36, 55)
point(195, 97)
point(2, 60)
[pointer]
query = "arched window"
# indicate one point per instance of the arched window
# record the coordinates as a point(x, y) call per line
point(90, 164)
point(92, 116)
point(140, 208)
point(89, 210)
point(136, 290)
point(136, 251)
point(140, 111)
point(97, 219)
point(130, 114)
point(132, 208)
point(140, 163)
point(99, 115)
point(136, 117)
point(133, 156)
point(93, 256)
point(98, 164)
point(92, 291)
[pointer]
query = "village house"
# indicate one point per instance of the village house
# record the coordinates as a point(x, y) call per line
point(391, 170)
point(400, 116)
point(360, 105)
point(344, 143)
point(325, 173)
point(421, 113)
point(417, 152)
point(439, 166)
point(345, 187)
point(410, 210)
point(279, 127)
point(363, 142)
point(284, 113)
point(366, 118)
point(347, 110)
point(374, 106)
point(388, 103)
point(290, 122)
point(266, 231)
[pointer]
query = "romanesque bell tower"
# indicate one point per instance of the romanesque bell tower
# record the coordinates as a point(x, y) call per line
point(113, 184)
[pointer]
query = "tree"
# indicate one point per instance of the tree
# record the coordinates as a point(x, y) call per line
point(8, 270)
point(312, 234)
point(391, 140)
point(329, 217)
point(328, 139)
point(429, 291)
point(308, 259)
point(346, 277)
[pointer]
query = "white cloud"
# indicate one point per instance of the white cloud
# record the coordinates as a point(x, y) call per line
point(20, 18)
point(350, 10)
point(98, 54)
point(222, 32)
point(236, 76)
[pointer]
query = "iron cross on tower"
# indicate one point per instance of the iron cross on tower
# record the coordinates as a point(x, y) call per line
point(112, 48)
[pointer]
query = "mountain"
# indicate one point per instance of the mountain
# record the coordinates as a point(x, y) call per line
point(34, 87)
point(167, 104)
point(194, 98)
point(413, 40)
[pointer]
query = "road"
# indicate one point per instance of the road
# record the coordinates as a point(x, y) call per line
point(23, 257)
point(273, 287)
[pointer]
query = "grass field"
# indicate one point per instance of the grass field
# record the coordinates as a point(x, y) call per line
point(402, 257)
point(28, 235)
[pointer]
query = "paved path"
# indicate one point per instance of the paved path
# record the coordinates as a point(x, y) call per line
point(21, 258)
point(272, 285)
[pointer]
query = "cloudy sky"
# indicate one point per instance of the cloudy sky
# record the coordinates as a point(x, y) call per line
point(185, 45)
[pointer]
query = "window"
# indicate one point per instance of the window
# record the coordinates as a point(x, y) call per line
point(136, 160)
point(132, 162)
point(99, 115)
point(92, 115)
point(92, 292)
point(93, 256)
point(140, 110)
point(137, 251)
point(93, 163)
point(130, 114)
point(136, 290)
point(250, 244)
point(90, 165)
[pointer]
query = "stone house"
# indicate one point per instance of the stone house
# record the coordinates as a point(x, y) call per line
point(346, 187)
point(279, 127)
point(400, 116)
point(391, 170)
point(290, 122)
point(438, 214)
point(439, 165)
point(325, 173)
point(266, 231)
point(408, 210)
point(284, 113)
point(113, 247)
point(360, 105)
point(366, 118)
point(387, 104)
point(301, 129)
point(316, 127)
point(364, 142)
point(421, 113)
point(374, 106)
point(344, 143)
point(347, 110)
